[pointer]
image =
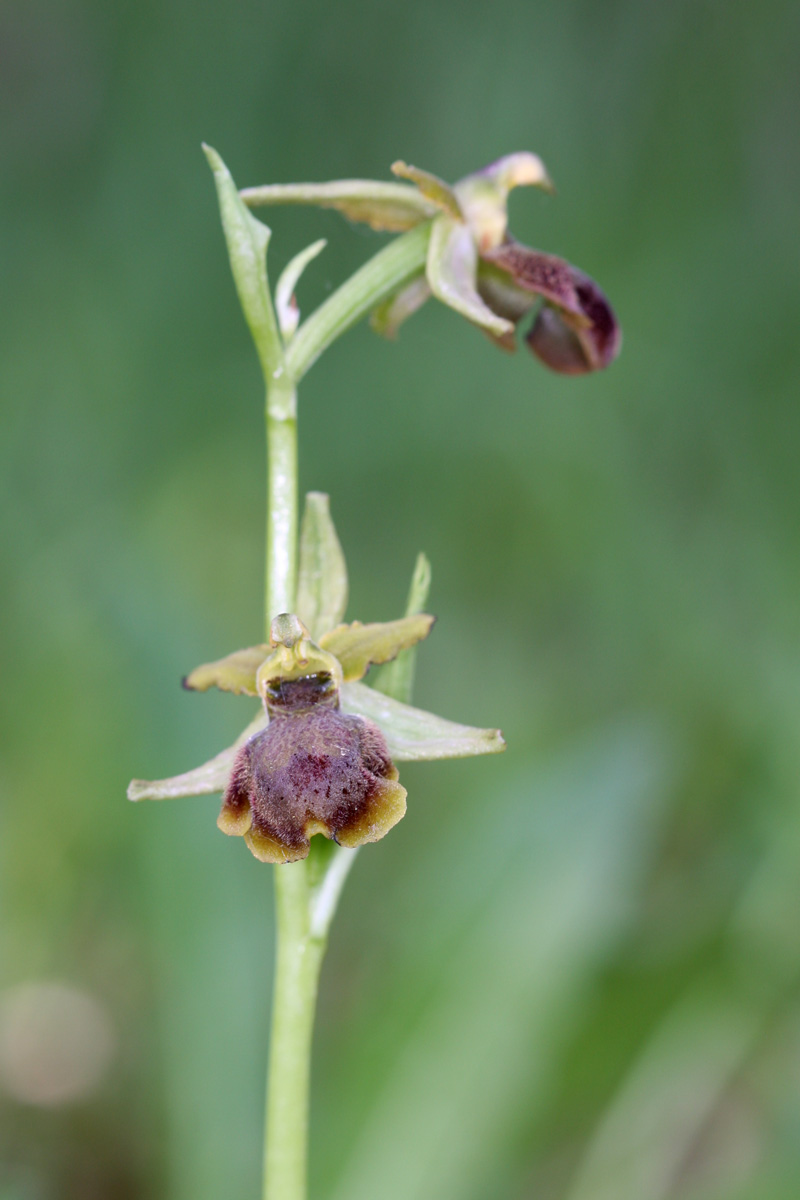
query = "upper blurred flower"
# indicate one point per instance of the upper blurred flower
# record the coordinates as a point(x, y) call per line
point(473, 265)
point(319, 758)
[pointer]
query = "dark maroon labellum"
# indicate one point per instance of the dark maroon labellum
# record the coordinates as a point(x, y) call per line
point(313, 770)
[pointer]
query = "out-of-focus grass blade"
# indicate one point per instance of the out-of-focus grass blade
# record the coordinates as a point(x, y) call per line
point(650, 1128)
point(553, 868)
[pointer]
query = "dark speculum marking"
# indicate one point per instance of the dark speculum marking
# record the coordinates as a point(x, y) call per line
point(300, 695)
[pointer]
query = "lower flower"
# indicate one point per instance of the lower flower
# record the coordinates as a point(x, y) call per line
point(314, 769)
point(319, 757)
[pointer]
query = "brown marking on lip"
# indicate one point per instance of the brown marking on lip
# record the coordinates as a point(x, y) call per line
point(235, 816)
point(604, 332)
point(312, 770)
point(385, 806)
point(572, 348)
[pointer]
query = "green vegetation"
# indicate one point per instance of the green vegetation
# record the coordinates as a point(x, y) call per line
point(571, 971)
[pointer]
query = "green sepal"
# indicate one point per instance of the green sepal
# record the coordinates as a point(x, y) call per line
point(432, 187)
point(413, 735)
point(396, 679)
point(247, 240)
point(452, 274)
point(212, 776)
point(234, 673)
point(387, 318)
point(358, 646)
point(322, 577)
point(285, 304)
point(390, 207)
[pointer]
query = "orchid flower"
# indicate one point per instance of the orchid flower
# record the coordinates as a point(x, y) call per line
point(319, 758)
point(473, 265)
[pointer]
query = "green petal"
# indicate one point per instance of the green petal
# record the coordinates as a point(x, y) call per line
point(414, 735)
point(432, 187)
point(322, 579)
point(357, 646)
point(247, 241)
point(387, 206)
point(285, 304)
point(210, 777)
point(396, 679)
point(452, 273)
point(234, 673)
point(387, 318)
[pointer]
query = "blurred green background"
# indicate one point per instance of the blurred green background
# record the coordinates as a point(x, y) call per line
point(571, 973)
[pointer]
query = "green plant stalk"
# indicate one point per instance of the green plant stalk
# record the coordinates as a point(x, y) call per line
point(282, 504)
point(305, 896)
point(298, 955)
point(298, 961)
point(307, 892)
point(388, 270)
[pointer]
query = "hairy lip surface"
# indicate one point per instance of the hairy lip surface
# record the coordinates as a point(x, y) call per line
point(313, 771)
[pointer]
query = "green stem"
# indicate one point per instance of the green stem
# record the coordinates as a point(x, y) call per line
point(306, 892)
point(298, 953)
point(298, 961)
point(387, 271)
point(282, 505)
